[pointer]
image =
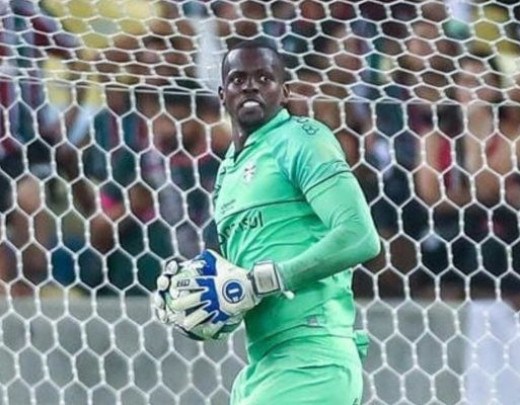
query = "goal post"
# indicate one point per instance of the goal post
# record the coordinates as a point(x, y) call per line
point(111, 134)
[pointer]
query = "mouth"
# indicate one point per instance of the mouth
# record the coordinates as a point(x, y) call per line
point(250, 103)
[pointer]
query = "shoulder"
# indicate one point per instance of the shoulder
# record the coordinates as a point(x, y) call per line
point(301, 138)
point(303, 125)
point(300, 130)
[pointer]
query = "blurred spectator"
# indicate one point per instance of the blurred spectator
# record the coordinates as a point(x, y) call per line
point(154, 171)
point(204, 138)
point(157, 56)
point(32, 189)
point(29, 132)
point(462, 179)
point(140, 169)
point(390, 148)
point(320, 88)
point(126, 202)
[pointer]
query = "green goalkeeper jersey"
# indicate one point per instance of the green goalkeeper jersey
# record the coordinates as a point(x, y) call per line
point(263, 211)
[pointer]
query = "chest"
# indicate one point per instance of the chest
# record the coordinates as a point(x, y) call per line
point(255, 180)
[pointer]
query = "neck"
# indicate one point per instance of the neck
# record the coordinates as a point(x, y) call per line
point(239, 142)
point(240, 135)
point(240, 132)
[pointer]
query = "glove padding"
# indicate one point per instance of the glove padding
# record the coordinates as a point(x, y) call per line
point(162, 296)
point(167, 313)
point(221, 293)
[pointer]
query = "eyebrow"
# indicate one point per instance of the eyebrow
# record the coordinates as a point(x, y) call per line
point(258, 70)
point(269, 72)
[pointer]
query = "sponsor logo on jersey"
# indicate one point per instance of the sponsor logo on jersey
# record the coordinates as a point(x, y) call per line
point(250, 221)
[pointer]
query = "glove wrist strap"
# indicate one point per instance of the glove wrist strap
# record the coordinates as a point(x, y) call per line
point(265, 279)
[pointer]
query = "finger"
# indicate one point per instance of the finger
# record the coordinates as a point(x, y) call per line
point(181, 284)
point(165, 316)
point(195, 318)
point(168, 299)
point(162, 312)
point(172, 267)
point(158, 301)
point(192, 266)
point(163, 282)
point(161, 315)
point(186, 302)
point(209, 330)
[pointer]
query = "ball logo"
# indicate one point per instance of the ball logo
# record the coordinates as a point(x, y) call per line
point(233, 291)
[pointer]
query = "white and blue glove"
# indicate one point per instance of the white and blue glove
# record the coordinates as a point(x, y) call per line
point(210, 292)
point(164, 296)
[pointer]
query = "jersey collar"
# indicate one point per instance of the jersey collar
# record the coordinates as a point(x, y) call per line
point(278, 119)
point(282, 116)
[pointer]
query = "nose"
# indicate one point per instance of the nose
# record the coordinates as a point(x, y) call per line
point(251, 84)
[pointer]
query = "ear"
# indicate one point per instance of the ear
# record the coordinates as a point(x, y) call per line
point(221, 93)
point(285, 93)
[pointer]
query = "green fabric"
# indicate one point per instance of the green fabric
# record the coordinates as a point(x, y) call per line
point(352, 238)
point(310, 370)
point(362, 343)
point(289, 196)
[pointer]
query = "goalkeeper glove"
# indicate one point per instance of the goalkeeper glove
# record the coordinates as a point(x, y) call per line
point(165, 295)
point(162, 296)
point(221, 291)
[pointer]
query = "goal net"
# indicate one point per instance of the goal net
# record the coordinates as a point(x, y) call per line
point(111, 133)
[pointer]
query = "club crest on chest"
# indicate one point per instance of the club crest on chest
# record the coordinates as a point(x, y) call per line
point(249, 172)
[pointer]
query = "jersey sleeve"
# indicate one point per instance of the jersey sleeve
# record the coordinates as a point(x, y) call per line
point(352, 238)
point(314, 162)
point(311, 154)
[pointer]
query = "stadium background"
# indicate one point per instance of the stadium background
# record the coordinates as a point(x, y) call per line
point(110, 137)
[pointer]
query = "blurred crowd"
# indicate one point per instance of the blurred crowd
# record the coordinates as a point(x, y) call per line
point(108, 155)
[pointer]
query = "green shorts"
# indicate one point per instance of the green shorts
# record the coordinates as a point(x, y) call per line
point(311, 370)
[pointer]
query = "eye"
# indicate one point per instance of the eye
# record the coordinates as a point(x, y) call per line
point(236, 80)
point(265, 78)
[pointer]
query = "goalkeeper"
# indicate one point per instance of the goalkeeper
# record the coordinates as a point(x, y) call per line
point(292, 221)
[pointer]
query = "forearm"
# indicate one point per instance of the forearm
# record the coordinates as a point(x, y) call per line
point(352, 238)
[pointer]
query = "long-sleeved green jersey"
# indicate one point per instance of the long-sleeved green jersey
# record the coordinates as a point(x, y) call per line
point(289, 196)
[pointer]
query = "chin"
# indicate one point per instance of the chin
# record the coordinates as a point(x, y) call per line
point(251, 120)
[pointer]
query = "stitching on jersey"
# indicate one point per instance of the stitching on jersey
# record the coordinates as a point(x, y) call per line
point(325, 179)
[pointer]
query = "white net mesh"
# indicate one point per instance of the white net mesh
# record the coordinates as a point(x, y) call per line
point(110, 137)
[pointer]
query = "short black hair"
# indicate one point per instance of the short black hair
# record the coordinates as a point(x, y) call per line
point(256, 43)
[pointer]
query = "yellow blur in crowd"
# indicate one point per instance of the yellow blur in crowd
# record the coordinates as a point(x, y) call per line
point(95, 22)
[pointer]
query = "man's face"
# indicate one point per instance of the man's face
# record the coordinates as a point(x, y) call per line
point(253, 90)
